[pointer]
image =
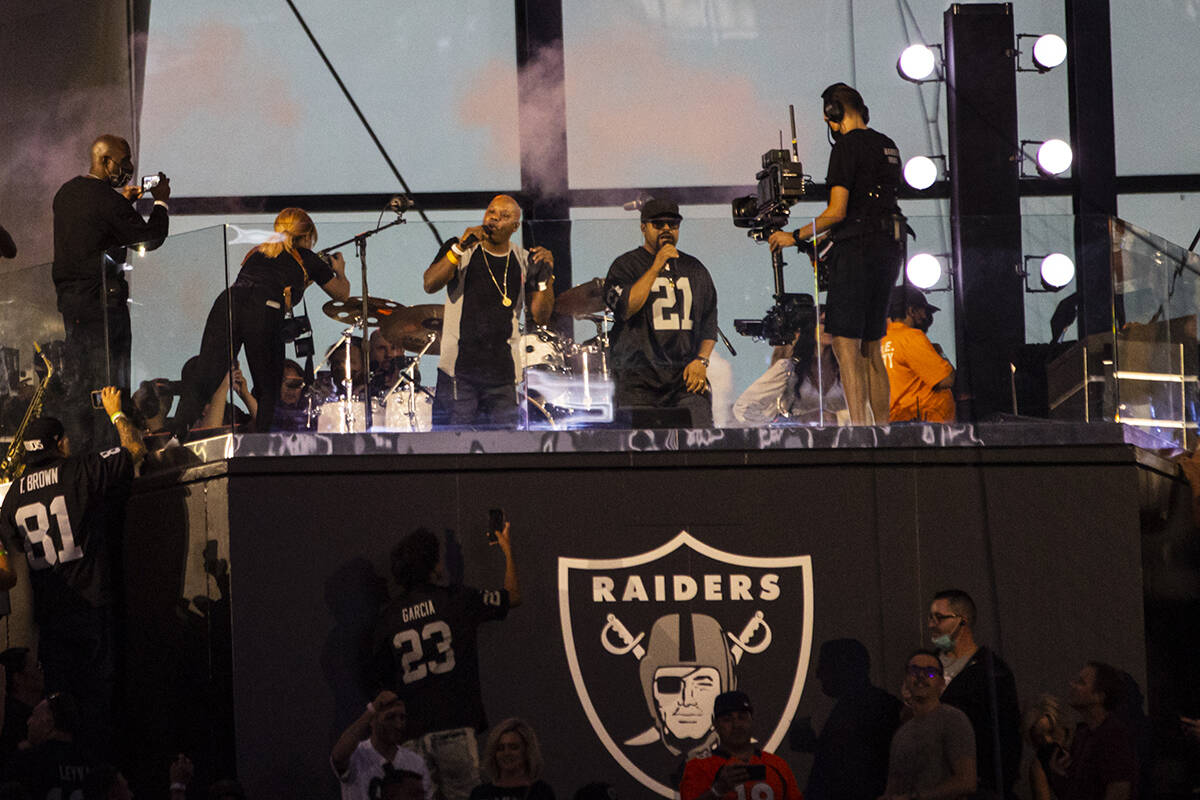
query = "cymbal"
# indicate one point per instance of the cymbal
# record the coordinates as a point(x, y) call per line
point(349, 310)
point(409, 327)
point(586, 298)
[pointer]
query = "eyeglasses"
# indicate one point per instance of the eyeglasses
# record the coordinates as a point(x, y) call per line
point(936, 617)
point(665, 223)
point(918, 671)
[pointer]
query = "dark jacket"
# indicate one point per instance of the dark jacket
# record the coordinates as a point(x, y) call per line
point(995, 718)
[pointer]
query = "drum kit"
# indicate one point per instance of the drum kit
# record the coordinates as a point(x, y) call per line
point(567, 383)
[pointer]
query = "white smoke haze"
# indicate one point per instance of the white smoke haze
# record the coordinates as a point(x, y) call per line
point(636, 115)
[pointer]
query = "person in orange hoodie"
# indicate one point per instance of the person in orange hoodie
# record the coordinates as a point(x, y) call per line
point(920, 377)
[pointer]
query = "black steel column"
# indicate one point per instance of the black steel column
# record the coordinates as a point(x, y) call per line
point(543, 132)
point(985, 203)
point(1090, 94)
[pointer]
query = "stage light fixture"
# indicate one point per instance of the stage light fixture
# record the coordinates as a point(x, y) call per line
point(924, 270)
point(1054, 156)
point(1049, 51)
point(1055, 270)
point(917, 63)
point(920, 172)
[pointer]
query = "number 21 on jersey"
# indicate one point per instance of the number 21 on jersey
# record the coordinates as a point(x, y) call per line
point(664, 313)
point(40, 531)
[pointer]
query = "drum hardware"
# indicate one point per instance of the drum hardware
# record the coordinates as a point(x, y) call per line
point(586, 298)
point(408, 327)
point(347, 380)
point(408, 376)
point(349, 311)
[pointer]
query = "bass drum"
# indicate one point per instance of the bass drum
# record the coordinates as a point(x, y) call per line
point(542, 350)
point(397, 416)
point(331, 417)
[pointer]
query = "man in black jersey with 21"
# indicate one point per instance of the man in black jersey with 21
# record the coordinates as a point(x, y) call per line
point(867, 229)
point(665, 307)
point(65, 512)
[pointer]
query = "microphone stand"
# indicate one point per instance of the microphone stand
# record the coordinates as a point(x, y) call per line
point(408, 375)
point(360, 247)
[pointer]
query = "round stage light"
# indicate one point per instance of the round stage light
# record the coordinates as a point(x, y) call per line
point(920, 172)
point(916, 63)
point(923, 270)
point(1049, 51)
point(1054, 156)
point(1057, 270)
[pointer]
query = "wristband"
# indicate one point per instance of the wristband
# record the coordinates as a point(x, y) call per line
point(178, 787)
point(796, 237)
point(702, 360)
point(114, 417)
point(453, 259)
point(458, 251)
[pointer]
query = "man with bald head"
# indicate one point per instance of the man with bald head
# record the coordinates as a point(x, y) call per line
point(488, 280)
point(94, 220)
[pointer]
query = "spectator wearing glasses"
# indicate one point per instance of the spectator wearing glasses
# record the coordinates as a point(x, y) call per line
point(981, 685)
point(291, 410)
point(933, 754)
point(665, 308)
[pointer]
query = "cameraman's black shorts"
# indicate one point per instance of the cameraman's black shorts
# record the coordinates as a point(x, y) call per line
point(862, 271)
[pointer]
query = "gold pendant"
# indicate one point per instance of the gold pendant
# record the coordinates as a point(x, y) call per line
point(507, 302)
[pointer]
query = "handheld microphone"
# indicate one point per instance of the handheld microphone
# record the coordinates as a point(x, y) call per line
point(467, 242)
point(637, 203)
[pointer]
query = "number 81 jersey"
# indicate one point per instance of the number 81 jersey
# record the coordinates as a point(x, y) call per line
point(426, 650)
point(62, 514)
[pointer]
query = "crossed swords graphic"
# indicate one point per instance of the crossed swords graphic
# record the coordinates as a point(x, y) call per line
point(633, 644)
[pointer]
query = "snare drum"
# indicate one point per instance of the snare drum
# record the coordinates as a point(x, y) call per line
point(542, 351)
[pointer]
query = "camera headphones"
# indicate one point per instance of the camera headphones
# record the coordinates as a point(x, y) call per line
point(835, 111)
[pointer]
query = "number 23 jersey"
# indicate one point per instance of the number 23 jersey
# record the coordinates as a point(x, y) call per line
point(64, 514)
point(426, 650)
point(656, 343)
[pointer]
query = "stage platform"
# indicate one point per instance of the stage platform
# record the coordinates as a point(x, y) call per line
point(253, 575)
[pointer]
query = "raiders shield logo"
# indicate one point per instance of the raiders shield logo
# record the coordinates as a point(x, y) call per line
point(652, 639)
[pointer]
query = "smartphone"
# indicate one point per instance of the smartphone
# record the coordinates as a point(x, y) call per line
point(149, 182)
point(756, 772)
point(97, 402)
point(495, 524)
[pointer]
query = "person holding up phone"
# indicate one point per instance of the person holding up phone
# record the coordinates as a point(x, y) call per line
point(94, 221)
point(425, 649)
point(737, 768)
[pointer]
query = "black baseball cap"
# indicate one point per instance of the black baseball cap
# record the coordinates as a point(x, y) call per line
point(42, 437)
point(907, 295)
point(656, 208)
point(729, 702)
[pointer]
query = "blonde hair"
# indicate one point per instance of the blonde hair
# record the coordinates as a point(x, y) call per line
point(292, 224)
point(533, 752)
point(1051, 708)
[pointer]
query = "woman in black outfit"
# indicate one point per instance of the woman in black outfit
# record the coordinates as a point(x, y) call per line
point(513, 759)
point(273, 277)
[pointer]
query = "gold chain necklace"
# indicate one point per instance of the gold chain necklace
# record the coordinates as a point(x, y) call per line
point(505, 300)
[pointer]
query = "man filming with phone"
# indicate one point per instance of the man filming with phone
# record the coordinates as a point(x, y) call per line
point(425, 650)
point(737, 768)
point(94, 221)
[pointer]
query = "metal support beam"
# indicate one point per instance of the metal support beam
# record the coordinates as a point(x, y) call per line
point(542, 122)
point(985, 203)
point(1093, 139)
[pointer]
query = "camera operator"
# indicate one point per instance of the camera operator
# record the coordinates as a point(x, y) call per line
point(94, 220)
point(867, 229)
point(665, 306)
point(272, 279)
point(65, 513)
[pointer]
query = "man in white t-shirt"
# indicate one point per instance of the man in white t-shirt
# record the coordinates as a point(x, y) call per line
point(371, 742)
